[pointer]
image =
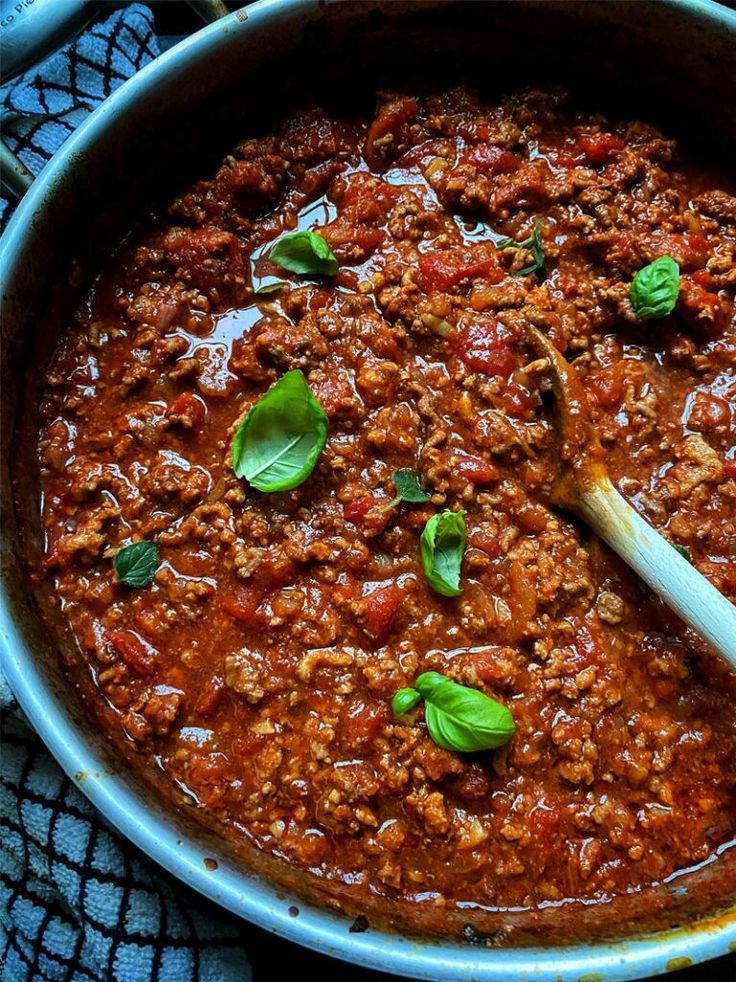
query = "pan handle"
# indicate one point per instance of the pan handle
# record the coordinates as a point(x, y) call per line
point(34, 31)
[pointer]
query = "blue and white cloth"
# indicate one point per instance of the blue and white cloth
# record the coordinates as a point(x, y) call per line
point(40, 108)
point(77, 902)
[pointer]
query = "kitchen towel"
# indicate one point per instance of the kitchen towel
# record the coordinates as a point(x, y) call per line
point(77, 902)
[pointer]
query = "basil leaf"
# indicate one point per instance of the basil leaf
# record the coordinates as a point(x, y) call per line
point(442, 547)
point(405, 700)
point(654, 289)
point(408, 489)
point(461, 718)
point(304, 252)
point(265, 288)
point(278, 443)
point(534, 243)
point(136, 564)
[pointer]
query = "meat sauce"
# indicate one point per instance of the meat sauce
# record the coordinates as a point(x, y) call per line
point(257, 669)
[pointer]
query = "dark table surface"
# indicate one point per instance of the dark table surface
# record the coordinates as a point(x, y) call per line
point(271, 957)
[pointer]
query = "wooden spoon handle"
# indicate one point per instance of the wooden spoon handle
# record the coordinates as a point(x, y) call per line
point(668, 573)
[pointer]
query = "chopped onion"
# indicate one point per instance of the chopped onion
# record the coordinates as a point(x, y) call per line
point(436, 324)
point(435, 166)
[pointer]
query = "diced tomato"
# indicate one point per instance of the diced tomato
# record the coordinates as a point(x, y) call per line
point(380, 339)
point(529, 189)
point(244, 601)
point(430, 148)
point(210, 697)
point(606, 386)
point(189, 409)
point(707, 411)
point(487, 665)
point(543, 821)
point(689, 249)
point(135, 652)
point(587, 646)
point(600, 147)
point(390, 121)
point(347, 278)
point(362, 723)
point(443, 271)
point(491, 160)
point(485, 541)
point(351, 243)
point(364, 511)
point(729, 468)
point(379, 611)
point(703, 278)
point(517, 400)
point(475, 469)
point(697, 304)
point(367, 200)
point(485, 346)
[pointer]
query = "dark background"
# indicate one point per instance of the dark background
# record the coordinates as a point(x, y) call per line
point(273, 958)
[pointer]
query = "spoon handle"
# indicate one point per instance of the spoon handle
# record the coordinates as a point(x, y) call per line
point(668, 573)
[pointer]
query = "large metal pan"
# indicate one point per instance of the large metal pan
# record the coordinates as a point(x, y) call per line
point(670, 61)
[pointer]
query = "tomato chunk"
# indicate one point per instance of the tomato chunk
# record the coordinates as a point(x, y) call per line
point(243, 603)
point(391, 122)
point(587, 646)
point(600, 147)
point(364, 511)
point(729, 468)
point(379, 611)
point(211, 697)
point(485, 346)
point(607, 385)
point(441, 272)
point(491, 160)
point(134, 651)
point(475, 469)
point(188, 410)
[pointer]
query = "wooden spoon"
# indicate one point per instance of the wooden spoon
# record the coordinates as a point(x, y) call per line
point(585, 488)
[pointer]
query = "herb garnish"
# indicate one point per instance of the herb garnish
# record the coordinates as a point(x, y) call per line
point(534, 244)
point(457, 716)
point(404, 701)
point(655, 288)
point(304, 252)
point(442, 547)
point(136, 564)
point(408, 489)
point(277, 445)
point(266, 288)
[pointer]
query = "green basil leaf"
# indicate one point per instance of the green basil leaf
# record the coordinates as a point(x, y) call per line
point(266, 288)
point(408, 489)
point(404, 701)
point(278, 443)
point(461, 718)
point(304, 252)
point(654, 289)
point(534, 243)
point(442, 547)
point(136, 564)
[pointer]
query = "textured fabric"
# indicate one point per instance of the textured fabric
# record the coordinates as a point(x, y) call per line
point(77, 902)
point(40, 108)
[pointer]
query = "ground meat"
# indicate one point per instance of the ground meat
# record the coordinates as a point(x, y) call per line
point(257, 668)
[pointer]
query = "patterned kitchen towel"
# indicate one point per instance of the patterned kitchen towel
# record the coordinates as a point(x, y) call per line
point(77, 902)
point(41, 107)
